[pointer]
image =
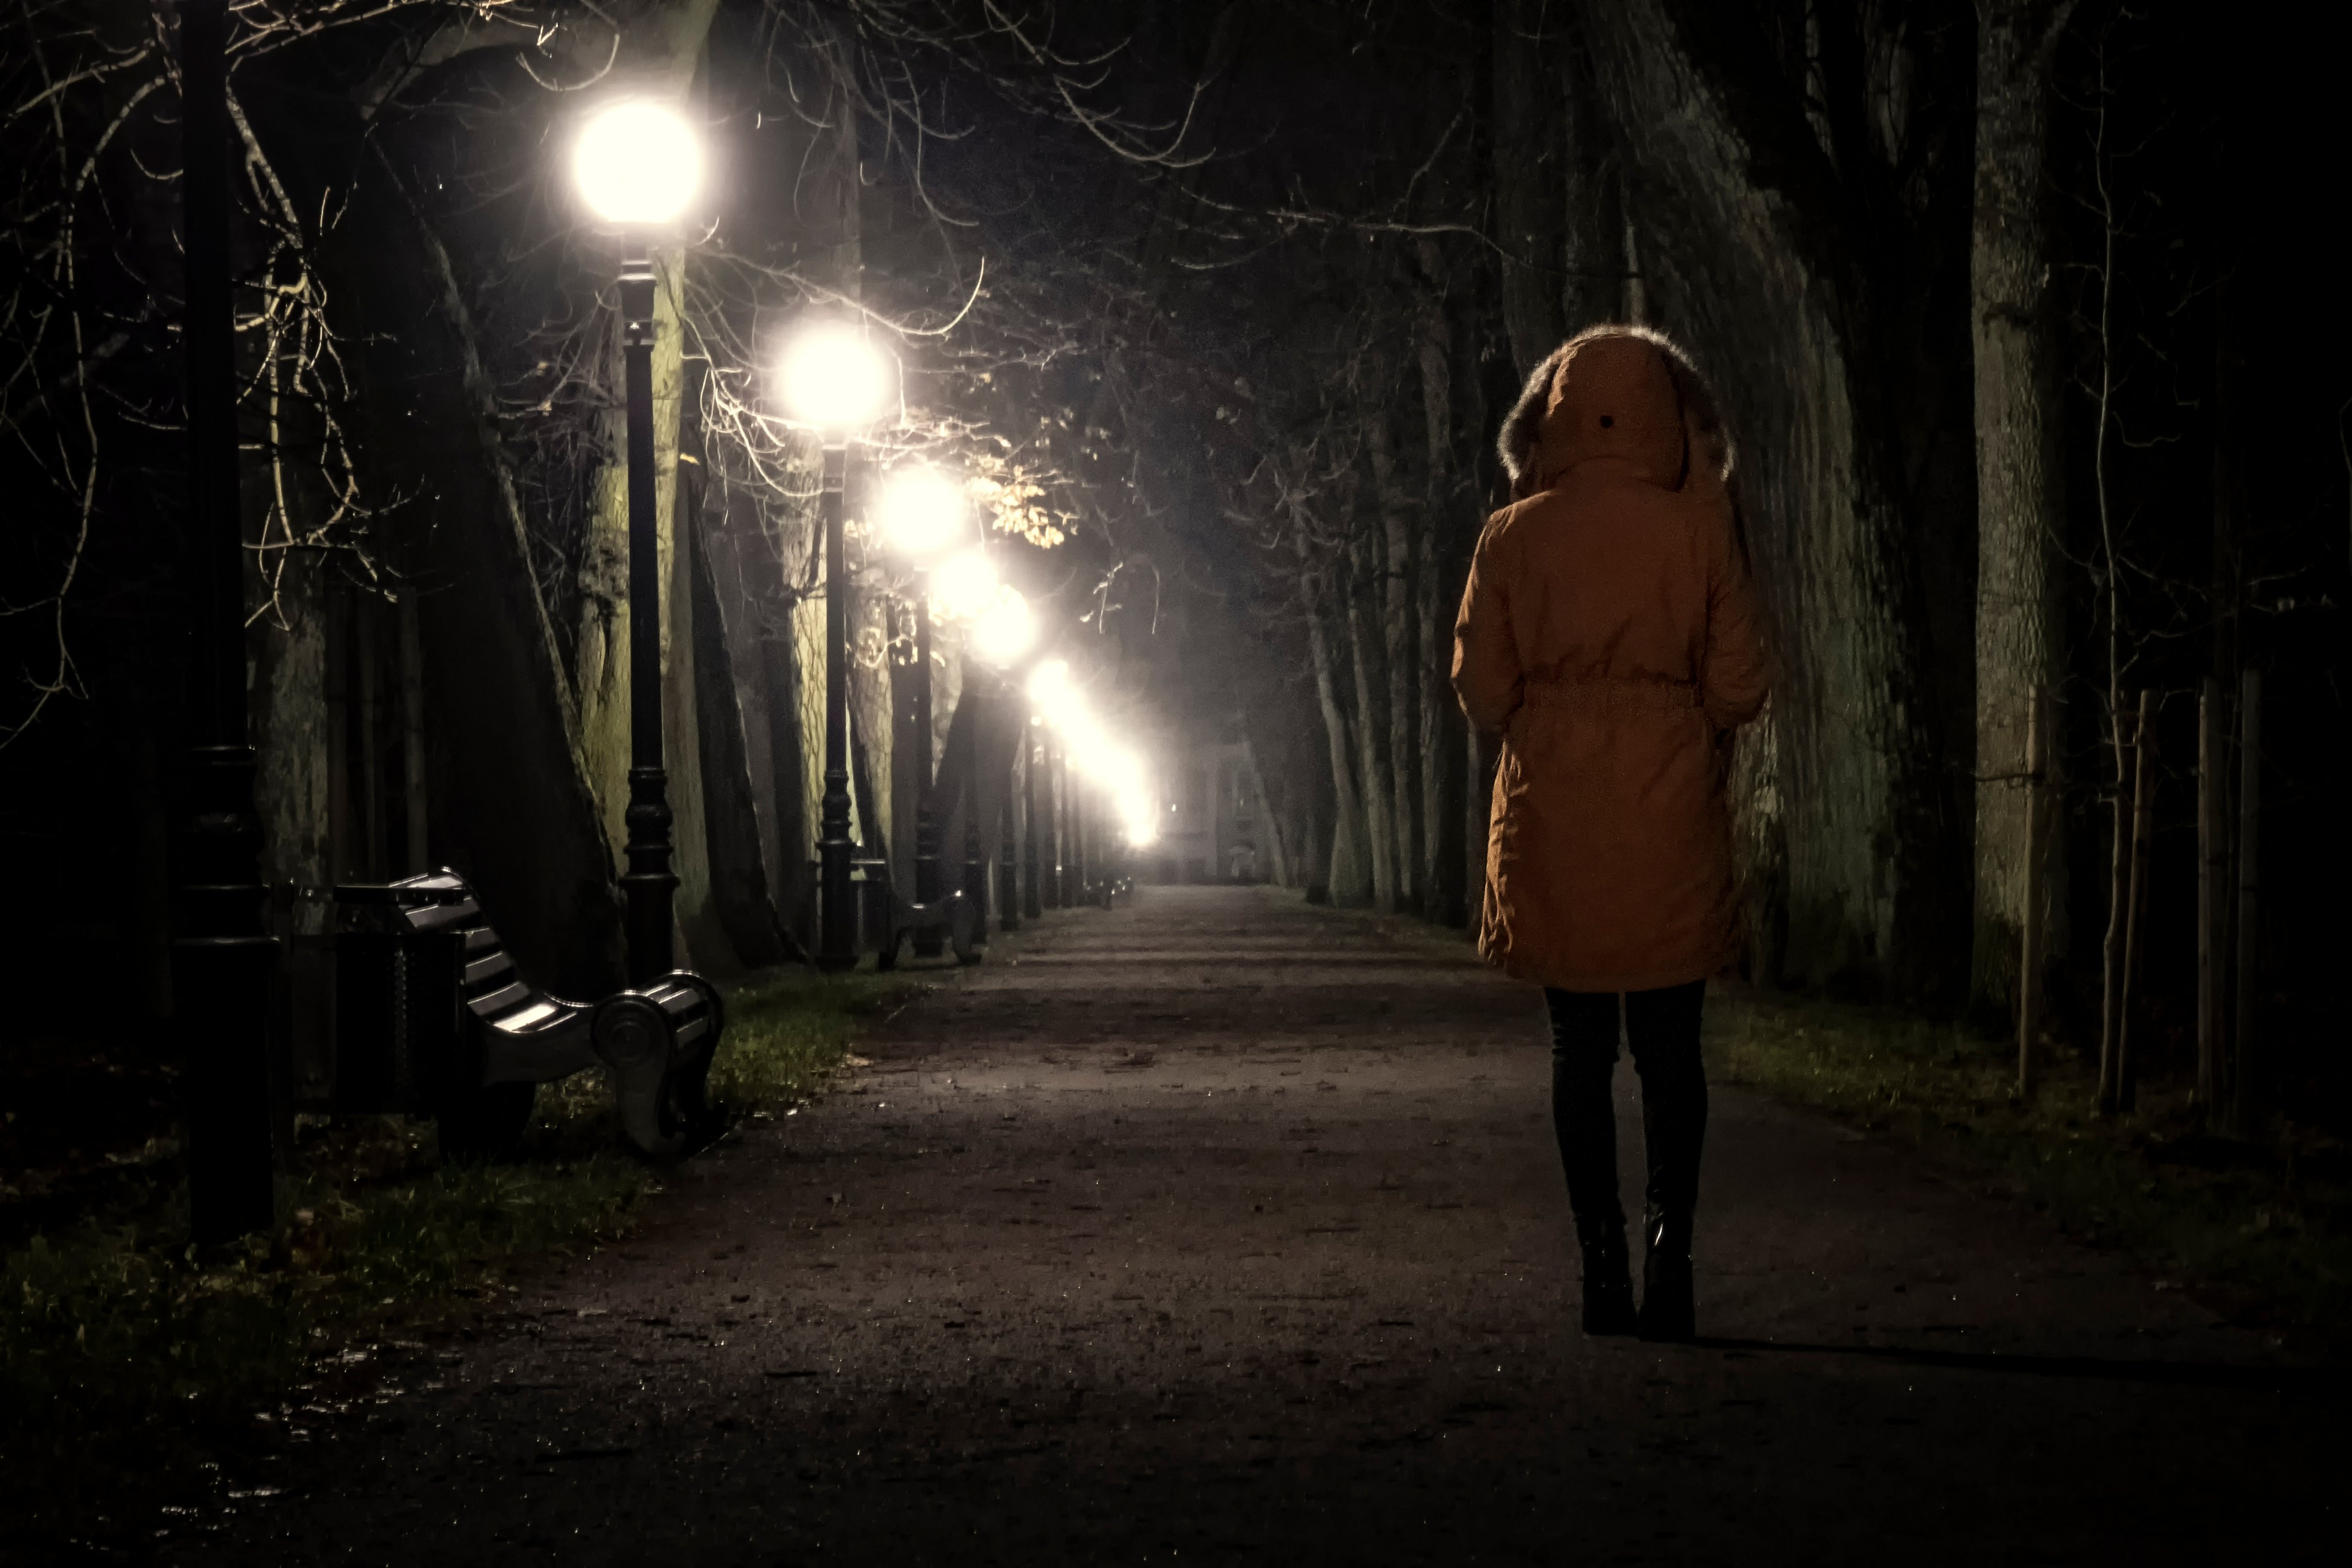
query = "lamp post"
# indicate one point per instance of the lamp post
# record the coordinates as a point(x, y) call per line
point(1008, 871)
point(1056, 820)
point(1081, 825)
point(224, 961)
point(836, 384)
point(922, 512)
point(637, 165)
point(1070, 830)
point(1001, 634)
point(1032, 757)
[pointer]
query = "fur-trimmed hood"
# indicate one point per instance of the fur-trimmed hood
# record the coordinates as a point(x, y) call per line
point(1616, 391)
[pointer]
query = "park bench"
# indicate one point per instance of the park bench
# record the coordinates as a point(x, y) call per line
point(431, 1018)
point(891, 919)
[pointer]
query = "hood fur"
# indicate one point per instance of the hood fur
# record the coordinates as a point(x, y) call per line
point(1522, 444)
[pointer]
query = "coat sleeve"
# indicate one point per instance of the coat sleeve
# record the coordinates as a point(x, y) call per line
point(1736, 674)
point(1486, 675)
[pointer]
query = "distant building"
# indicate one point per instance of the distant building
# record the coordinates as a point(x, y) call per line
point(1213, 814)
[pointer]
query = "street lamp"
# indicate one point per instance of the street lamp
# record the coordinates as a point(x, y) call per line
point(1052, 703)
point(1001, 635)
point(637, 165)
point(1032, 760)
point(1090, 756)
point(224, 961)
point(836, 384)
point(1004, 632)
point(922, 512)
point(965, 585)
point(1001, 628)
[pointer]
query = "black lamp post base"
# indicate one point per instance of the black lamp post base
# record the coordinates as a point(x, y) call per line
point(222, 989)
point(837, 899)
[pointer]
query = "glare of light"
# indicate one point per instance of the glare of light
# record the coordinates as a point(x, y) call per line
point(1084, 741)
point(1052, 697)
point(1005, 630)
point(921, 512)
point(1135, 814)
point(637, 163)
point(1092, 753)
point(836, 380)
point(1049, 684)
point(964, 586)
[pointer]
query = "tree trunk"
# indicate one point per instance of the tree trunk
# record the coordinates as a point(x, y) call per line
point(1530, 182)
point(2021, 481)
point(1349, 876)
point(738, 859)
point(510, 808)
point(415, 857)
point(1364, 648)
point(701, 921)
point(751, 596)
point(1595, 284)
point(1400, 647)
point(1443, 504)
point(2030, 945)
point(869, 700)
point(601, 650)
point(1283, 866)
point(292, 737)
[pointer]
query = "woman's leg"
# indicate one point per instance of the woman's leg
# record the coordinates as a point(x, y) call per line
point(1662, 1029)
point(1584, 1119)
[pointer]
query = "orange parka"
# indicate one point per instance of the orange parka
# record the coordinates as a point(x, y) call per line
point(1611, 633)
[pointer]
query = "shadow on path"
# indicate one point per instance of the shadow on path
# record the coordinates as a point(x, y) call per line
point(2318, 1380)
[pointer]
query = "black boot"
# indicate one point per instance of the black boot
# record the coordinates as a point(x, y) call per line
point(1667, 1310)
point(1608, 1284)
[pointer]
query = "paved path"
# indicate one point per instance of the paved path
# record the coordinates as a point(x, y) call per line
point(1223, 1228)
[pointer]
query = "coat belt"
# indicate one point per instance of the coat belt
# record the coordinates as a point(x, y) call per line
point(1598, 697)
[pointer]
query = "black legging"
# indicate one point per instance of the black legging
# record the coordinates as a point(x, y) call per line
point(1662, 1027)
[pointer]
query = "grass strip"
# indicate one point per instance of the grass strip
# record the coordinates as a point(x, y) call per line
point(130, 1366)
point(2264, 1230)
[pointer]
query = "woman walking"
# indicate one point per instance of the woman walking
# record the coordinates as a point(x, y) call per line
point(1610, 635)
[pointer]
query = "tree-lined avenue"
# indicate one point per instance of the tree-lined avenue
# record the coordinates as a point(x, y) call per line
point(1224, 1227)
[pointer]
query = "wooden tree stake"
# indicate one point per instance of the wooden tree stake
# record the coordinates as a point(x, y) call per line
point(2143, 841)
point(2111, 951)
point(2245, 1066)
point(2029, 959)
point(2213, 865)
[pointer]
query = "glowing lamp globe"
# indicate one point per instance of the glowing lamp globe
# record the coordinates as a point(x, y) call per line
point(964, 585)
point(922, 512)
point(1049, 684)
point(1051, 695)
point(637, 163)
point(836, 380)
point(1005, 630)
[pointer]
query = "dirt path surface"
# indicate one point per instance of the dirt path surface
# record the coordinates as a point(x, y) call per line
point(1222, 1228)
